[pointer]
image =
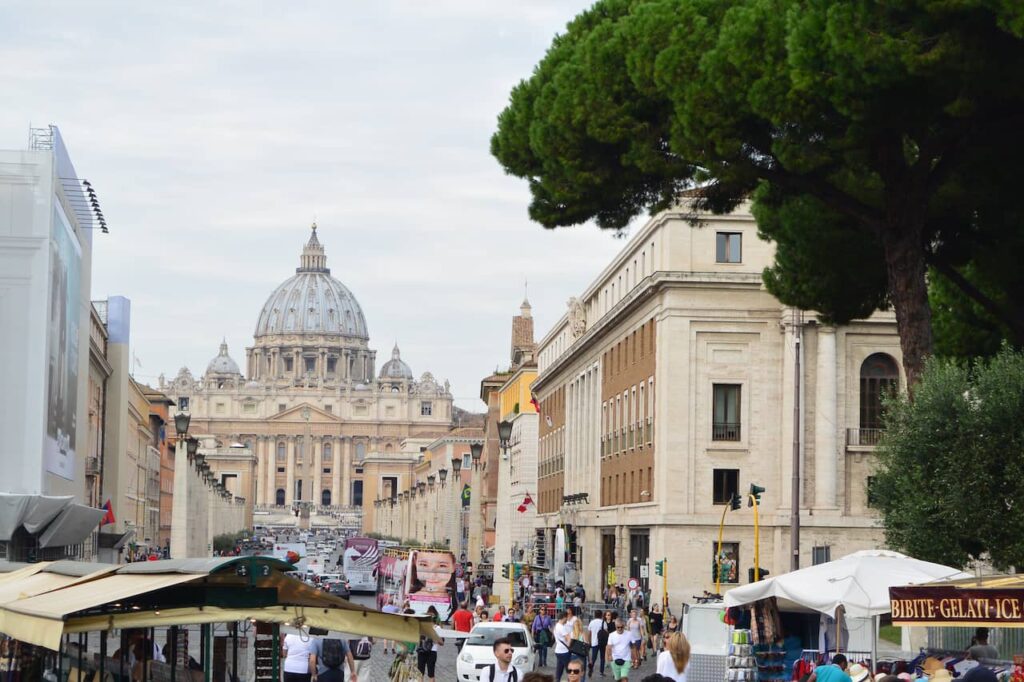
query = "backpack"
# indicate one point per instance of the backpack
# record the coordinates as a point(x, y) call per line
point(513, 675)
point(332, 653)
point(361, 648)
point(426, 644)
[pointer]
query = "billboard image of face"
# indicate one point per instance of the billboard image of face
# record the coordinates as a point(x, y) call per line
point(432, 581)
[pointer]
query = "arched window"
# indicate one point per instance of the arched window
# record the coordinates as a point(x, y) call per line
point(325, 498)
point(360, 452)
point(389, 448)
point(279, 499)
point(280, 451)
point(879, 376)
point(327, 452)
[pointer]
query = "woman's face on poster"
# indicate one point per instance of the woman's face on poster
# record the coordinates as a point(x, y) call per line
point(434, 570)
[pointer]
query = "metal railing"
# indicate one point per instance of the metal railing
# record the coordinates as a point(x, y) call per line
point(863, 437)
point(725, 431)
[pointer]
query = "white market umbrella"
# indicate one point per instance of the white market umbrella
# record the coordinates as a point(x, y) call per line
point(858, 582)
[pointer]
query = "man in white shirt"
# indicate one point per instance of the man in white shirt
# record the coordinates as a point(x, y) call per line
point(617, 651)
point(594, 626)
point(563, 635)
point(503, 670)
point(300, 657)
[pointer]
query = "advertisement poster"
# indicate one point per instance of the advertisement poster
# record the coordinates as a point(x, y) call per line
point(359, 563)
point(62, 348)
point(431, 582)
point(391, 579)
point(292, 552)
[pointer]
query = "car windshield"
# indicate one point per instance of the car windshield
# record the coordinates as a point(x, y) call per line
point(487, 637)
point(543, 599)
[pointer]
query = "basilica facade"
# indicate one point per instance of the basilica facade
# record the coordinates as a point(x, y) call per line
point(311, 407)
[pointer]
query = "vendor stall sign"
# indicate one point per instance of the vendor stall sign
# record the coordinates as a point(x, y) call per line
point(933, 605)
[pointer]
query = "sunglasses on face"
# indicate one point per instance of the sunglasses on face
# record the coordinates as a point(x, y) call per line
point(574, 671)
point(506, 651)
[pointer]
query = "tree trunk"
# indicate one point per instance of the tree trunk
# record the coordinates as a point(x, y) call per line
point(905, 264)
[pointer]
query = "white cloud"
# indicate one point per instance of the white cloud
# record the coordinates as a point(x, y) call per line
point(216, 131)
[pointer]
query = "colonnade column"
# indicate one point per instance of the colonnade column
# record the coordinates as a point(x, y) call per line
point(289, 472)
point(346, 474)
point(318, 469)
point(261, 470)
point(272, 469)
point(826, 451)
point(336, 472)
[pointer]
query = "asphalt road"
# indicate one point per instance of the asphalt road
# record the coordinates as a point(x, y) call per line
point(376, 669)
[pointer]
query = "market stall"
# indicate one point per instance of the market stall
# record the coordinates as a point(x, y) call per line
point(854, 586)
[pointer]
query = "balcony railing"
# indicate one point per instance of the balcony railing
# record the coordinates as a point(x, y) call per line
point(725, 431)
point(863, 437)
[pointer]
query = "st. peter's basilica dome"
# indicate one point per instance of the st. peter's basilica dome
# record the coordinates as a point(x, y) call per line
point(223, 363)
point(311, 301)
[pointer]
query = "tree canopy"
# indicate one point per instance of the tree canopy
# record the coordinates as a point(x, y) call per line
point(861, 129)
point(950, 485)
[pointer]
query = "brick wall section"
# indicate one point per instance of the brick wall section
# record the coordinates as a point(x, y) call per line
point(551, 455)
point(627, 418)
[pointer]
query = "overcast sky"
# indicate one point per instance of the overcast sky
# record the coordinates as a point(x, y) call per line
point(215, 132)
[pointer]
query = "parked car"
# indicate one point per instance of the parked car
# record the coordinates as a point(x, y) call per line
point(478, 651)
point(339, 588)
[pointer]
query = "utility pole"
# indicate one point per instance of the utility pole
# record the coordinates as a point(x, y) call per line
point(794, 517)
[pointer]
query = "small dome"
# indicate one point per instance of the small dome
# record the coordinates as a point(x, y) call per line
point(395, 368)
point(362, 387)
point(223, 364)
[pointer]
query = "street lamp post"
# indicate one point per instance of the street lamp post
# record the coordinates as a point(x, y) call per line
point(179, 503)
point(476, 520)
point(455, 521)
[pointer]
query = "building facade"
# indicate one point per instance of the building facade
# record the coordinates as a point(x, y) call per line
point(311, 406)
point(668, 387)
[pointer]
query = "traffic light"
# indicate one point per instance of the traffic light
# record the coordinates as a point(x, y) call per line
point(659, 567)
point(735, 502)
point(755, 495)
point(750, 574)
point(517, 570)
point(504, 571)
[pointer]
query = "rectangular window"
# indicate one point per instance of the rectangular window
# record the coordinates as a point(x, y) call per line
point(183, 404)
point(724, 565)
point(821, 555)
point(727, 247)
point(327, 470)
point(288, 364)
point(220, 408)
point(426, 408)
point(281, 407)
point(249, 408)
point(726, 484)
point(360, 410)
point(332, 365)
point(726, 412)
point(280, 470)
point(329, 409)
point(310, 364)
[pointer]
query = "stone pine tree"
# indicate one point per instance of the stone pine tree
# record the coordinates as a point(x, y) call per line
point(859, 128)
point(950, 485)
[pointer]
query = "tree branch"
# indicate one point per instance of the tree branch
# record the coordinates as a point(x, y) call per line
point(1015, 324)
point(868, 216)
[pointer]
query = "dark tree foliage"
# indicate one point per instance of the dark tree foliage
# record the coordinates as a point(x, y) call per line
point(862, 128)
point(950, 485)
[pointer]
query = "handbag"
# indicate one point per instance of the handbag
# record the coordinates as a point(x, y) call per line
point(544, 637)
point(579, 647)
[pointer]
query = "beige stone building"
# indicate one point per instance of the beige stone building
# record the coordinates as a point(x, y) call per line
point(310, 405)
point(668, 386)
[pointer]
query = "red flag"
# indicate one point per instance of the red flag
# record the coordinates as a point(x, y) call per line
point(533, 401)
point(109, 516)
point(527, 500)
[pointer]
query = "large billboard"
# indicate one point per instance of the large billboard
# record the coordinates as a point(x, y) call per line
point(430, 581)
point(62, 347)
point(359, 563)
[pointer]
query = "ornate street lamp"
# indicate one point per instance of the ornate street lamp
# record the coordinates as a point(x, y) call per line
point(456, 465)
point(443, 474)
point(191, 446)
point(504, 437)
point(181, 421)
point(421, 486)
point(430, 480)
point(476, 450)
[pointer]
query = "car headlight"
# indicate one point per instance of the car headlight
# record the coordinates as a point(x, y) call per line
point(466, 657)
point(521, 659)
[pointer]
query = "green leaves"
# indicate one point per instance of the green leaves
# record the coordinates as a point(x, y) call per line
point(950, 485)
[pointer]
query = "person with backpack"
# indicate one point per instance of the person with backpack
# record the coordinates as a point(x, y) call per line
point(503, 670)
point(541, 630)
point(334, 653)
point(426, 653)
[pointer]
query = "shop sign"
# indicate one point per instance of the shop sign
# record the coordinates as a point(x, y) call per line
point(919, 605)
